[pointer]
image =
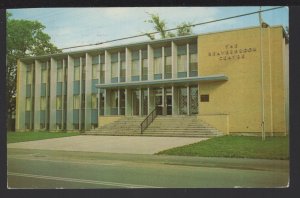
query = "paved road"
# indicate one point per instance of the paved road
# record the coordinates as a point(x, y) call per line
point(32, 168)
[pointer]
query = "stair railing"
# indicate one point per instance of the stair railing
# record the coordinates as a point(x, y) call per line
point(148, 120)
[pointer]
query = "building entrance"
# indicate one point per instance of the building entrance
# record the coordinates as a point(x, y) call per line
point(163, 101)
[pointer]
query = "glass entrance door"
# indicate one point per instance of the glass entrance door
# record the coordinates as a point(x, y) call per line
point(158, 101)
point(168, 100)
point(169, 104)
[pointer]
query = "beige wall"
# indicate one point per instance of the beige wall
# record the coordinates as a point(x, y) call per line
point(240, 97)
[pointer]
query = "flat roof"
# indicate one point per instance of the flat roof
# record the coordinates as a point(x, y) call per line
point(155, 83)
point(135, 44)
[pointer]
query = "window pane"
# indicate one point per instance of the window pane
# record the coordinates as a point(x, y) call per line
point(43, 103)
point(181, 63)
point(83, 61)
point(135, 68)
point(28, 104)
point(76, 62)
point(158, 65)
point(95, 71)
point(193, 58)
point(44, 76)
point(94, 101)
point(114, 69)
point(59, 75)
point(28, 77)
point(59, 103)
point(193, 62)
point(76, 73)
point(76, 104)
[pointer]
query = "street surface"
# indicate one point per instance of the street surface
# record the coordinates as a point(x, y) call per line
point(34, 168)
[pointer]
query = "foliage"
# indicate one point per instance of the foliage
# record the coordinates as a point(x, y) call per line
point(23, 38)
point(13, 137)
point(236, 147)
point(184, 29)
point(160, 26)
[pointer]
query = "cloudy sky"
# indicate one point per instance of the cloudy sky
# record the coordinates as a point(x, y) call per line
point(79, 26)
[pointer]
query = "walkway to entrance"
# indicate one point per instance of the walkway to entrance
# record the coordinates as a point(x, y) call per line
point(109, 144)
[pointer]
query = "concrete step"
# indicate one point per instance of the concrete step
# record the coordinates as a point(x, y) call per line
point(172, 126)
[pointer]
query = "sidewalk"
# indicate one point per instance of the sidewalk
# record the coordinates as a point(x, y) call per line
point(110, 144)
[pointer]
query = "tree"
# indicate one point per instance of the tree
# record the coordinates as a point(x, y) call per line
point(23, 38)
point(161, 27)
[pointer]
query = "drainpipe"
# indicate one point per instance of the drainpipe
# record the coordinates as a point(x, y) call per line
point(262, 80)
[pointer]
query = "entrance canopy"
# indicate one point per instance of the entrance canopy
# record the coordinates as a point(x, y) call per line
point(154, 83)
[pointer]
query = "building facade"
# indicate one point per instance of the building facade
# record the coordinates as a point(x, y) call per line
point(237, 81)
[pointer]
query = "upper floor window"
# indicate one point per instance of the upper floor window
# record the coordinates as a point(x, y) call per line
point(76, 73)
point(144, 65)
point(44, 75)
point(59, 71)
point(158, 63)
point(95, 66)
point(28, 74)
point(135, 67)
point(76, 62)
point(76, 101)
point(168, 62)
point(114, 65)
point(43, 103)
point(28, 104)
point(122, 67)
point(193, 60)
point(182, 61)
point(58, 103)
point(102, 68)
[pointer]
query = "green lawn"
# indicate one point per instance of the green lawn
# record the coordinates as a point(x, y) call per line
point(13, 137)
point(236, 147)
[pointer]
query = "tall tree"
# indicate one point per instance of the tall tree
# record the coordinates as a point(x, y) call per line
point(23, 38)
point(161, 26)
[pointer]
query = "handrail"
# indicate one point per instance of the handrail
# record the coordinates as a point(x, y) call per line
point(148, 120)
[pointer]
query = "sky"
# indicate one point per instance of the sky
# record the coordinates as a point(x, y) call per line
point(79, 26)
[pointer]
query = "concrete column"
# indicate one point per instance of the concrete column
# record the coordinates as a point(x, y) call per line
point(128, 102)
point(151, 98)
point(119, 98)
point(128, 64)
point(37, 95)
point(188, 100)
point(150, 63)
point(163, 63)
point(174, 101)
point(188, 60)
point(70, 93)
point(52, 102)
point(107, 67)
point(80, 92)
point(107, 105)
point(148, 101)
point(140, 102)
point(98, 91)
point(88, 91)
point(199, 99)
point(174, 60)
point(63, 95)
point(20, 96)
point(140, 62)
point(164, 106)
point(119, 67)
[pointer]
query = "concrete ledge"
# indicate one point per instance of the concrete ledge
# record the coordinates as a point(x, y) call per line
point(269, 134)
